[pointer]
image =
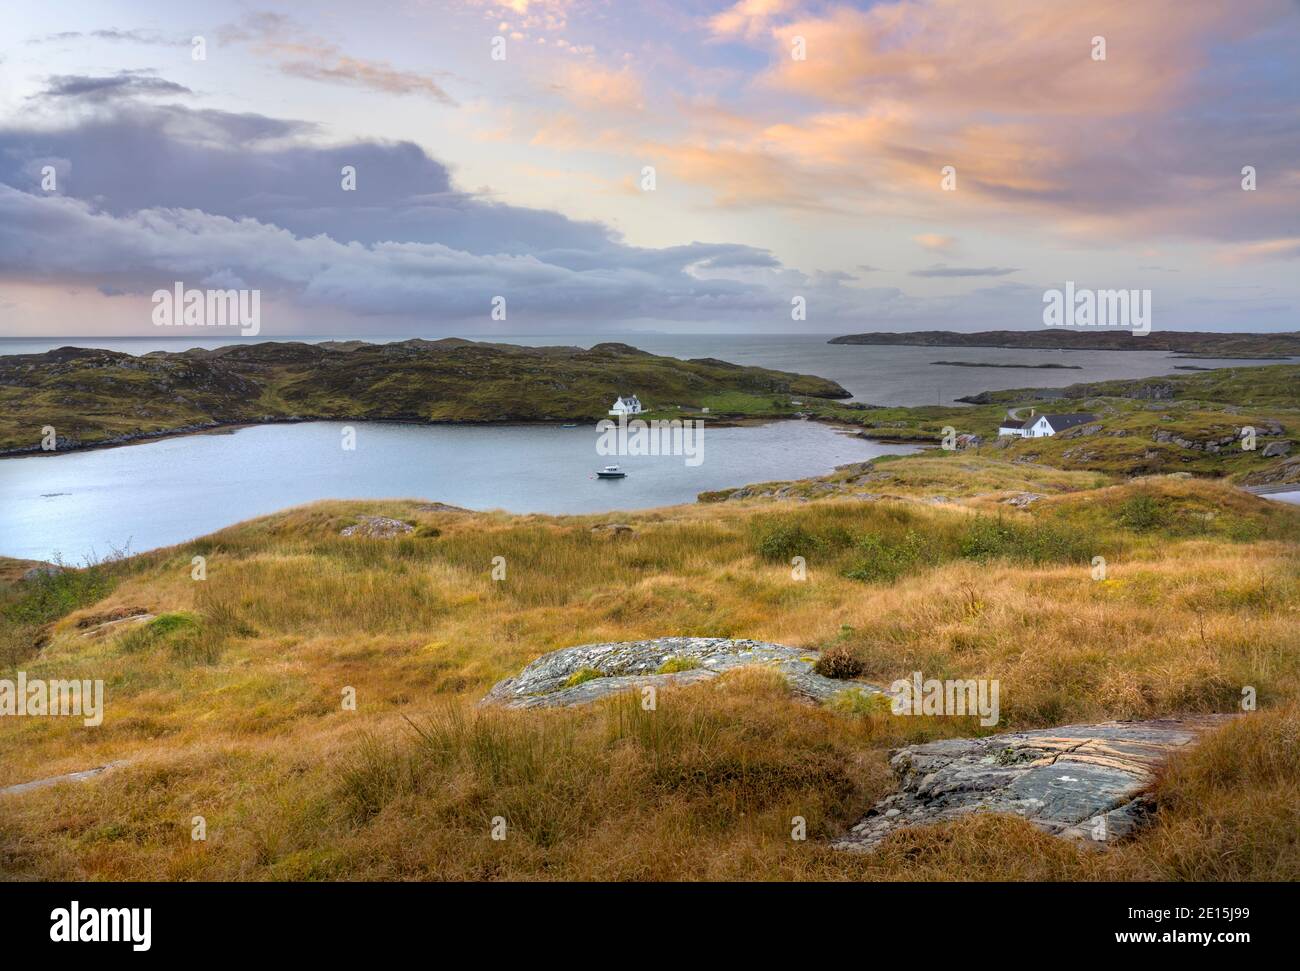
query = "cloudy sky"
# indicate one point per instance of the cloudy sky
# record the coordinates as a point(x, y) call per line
point(522, 176)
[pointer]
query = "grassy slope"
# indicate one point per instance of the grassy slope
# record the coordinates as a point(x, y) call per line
point(934, 474)
point(91, 395)
point(231, 711)
point(1275, 385)
point(1196, 408)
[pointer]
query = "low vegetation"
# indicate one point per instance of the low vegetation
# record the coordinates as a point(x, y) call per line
point(230, 703)
point(1192, 423)
point(90, 396)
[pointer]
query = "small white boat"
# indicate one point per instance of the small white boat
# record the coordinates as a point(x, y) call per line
point(611, 472)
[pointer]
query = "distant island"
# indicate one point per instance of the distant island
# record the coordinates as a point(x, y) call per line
point(94, 397)
point(1259, 347)
point(1050, 367)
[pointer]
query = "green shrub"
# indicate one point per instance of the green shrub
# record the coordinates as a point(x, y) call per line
point(183, 633)
point(1141, 513)
point(998, 538)
point(675, 664)
point(49, 596)
point(879, 560)
point(783, 540)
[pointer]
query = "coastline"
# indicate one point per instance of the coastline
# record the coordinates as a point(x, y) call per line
point(223, 427)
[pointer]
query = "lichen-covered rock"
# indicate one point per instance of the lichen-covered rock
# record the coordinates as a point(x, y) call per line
point(612, 528)
point(577, 675)
point(377, 527)
point(1083, 782)
point(1022, 499)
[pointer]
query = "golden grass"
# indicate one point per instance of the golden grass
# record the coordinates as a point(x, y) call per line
point(954, 475)
point(242, 722)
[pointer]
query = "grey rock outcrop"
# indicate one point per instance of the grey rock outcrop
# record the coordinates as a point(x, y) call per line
point(1083, 782)
point(556, 679)
point(377, 527)
point(1022, 499)
point(1276, 450)
point(612, 528)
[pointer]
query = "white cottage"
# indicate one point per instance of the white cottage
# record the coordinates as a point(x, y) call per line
point(1045, 426)
point(626, 405)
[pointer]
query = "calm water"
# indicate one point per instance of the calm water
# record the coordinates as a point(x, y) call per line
point(169, 491)
point(164, 492)
point(878, 375)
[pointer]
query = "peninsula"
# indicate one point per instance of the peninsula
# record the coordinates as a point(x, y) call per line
point(1189, 343)
point(93, 397)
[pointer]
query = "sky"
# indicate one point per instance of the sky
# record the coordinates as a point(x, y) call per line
point(919, 164)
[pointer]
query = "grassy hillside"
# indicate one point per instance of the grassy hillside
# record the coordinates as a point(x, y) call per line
point(228, 704)
point(1272, 385)
point(934, 474)
point(1185, 423)
point(93, 396)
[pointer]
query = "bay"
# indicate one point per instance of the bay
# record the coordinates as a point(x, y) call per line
point(80, 505)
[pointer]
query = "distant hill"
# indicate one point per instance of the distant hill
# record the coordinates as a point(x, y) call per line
point(99, 397)
point(1189, 342)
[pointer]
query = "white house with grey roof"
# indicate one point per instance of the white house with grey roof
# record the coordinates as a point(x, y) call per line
point(626, 405)
point(1045, 426)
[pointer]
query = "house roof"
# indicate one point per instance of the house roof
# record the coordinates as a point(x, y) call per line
point(1061, 422)
point(1011, 423)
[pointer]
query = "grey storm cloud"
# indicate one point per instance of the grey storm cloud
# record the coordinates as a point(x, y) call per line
point(151, 193)
point(122, 84)
point(58, 238)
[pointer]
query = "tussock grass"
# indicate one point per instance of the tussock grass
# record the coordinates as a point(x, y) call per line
point(229, 705)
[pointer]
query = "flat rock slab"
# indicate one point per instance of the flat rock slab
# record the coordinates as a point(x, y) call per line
point(1082, 782)
point(545, 683)
point(85, 775)
point(112, 626)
